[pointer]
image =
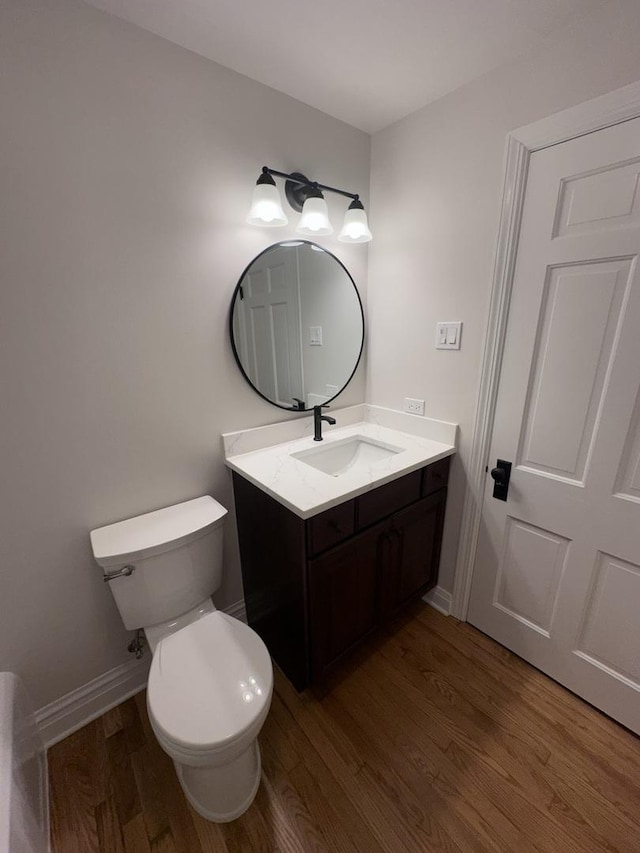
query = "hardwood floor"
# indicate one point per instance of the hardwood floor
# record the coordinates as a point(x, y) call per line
point(430, 738)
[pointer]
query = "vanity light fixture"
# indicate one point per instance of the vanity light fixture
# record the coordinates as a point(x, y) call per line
point(266, 207)
point(355, 228)
point(307, 197)
point(314, 221)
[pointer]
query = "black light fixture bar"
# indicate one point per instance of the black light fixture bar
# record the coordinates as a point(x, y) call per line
point(298, 187)
point(305, 197)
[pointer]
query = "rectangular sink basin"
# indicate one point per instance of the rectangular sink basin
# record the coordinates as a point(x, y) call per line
point(355, 453)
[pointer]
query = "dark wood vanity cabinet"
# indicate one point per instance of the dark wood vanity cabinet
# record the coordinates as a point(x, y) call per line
point(343, 597)
point(316, 588)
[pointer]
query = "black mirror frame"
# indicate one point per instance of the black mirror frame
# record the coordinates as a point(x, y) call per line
point(233, 343)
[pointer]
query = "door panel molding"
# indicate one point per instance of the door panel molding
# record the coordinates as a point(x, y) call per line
point(613, 108)
point(526, 548)
point(627, 484)
point(615, 584)
point(581, 195)
point(558, 434)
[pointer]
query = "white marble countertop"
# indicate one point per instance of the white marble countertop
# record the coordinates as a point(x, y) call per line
point(307, 491)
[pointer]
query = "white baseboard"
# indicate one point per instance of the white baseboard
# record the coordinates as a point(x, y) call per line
point(64, 716)
point(439, 599)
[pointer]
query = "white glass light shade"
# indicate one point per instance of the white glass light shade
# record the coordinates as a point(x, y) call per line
point(266, 207)
point(356, 227)
point(314, 221)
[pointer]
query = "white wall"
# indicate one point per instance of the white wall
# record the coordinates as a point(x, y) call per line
point(327, 299)
point(126, 170)
point(435, 200)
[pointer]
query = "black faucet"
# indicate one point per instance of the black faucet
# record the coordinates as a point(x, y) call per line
point(318, 417)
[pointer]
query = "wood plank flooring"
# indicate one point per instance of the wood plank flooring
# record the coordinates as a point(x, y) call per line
point(430, 738)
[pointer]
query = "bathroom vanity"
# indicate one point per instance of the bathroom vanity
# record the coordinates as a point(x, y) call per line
point(327, 558)
point(339, 516)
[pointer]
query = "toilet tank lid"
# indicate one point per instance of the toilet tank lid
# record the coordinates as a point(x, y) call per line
point(155, 532)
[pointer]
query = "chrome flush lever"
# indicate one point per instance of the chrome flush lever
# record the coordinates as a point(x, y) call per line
point(124, 572)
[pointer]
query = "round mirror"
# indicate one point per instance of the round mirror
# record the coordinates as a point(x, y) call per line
point(297, 325)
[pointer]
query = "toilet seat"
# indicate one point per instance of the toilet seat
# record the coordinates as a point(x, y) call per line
point(209, 687)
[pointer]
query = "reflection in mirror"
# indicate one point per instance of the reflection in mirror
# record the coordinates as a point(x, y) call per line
point(297, 326)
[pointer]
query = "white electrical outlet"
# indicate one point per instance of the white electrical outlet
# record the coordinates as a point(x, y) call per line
point(415, 407)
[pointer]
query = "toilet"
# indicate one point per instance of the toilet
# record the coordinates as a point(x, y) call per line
point(211, 677)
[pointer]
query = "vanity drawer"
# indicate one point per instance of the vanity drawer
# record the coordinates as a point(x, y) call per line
point(385, 500)
point(331, 527)
point(436, 476)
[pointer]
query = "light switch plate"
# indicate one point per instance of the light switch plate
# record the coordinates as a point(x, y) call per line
point(448, 335)
point(315, 336)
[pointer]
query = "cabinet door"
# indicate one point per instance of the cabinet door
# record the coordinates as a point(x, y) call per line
point(418, 532)
point(343, 586)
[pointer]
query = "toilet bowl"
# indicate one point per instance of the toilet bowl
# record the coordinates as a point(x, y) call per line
point(211, 678)
point(209, 693)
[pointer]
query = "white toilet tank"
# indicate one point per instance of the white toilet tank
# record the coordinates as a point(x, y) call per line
point(176, 555)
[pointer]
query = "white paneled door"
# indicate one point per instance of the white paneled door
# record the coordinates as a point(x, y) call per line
point(267, 327)
point(557, 572)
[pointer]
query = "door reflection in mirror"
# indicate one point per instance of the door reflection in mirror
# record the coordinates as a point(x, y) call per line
point(297, 325)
